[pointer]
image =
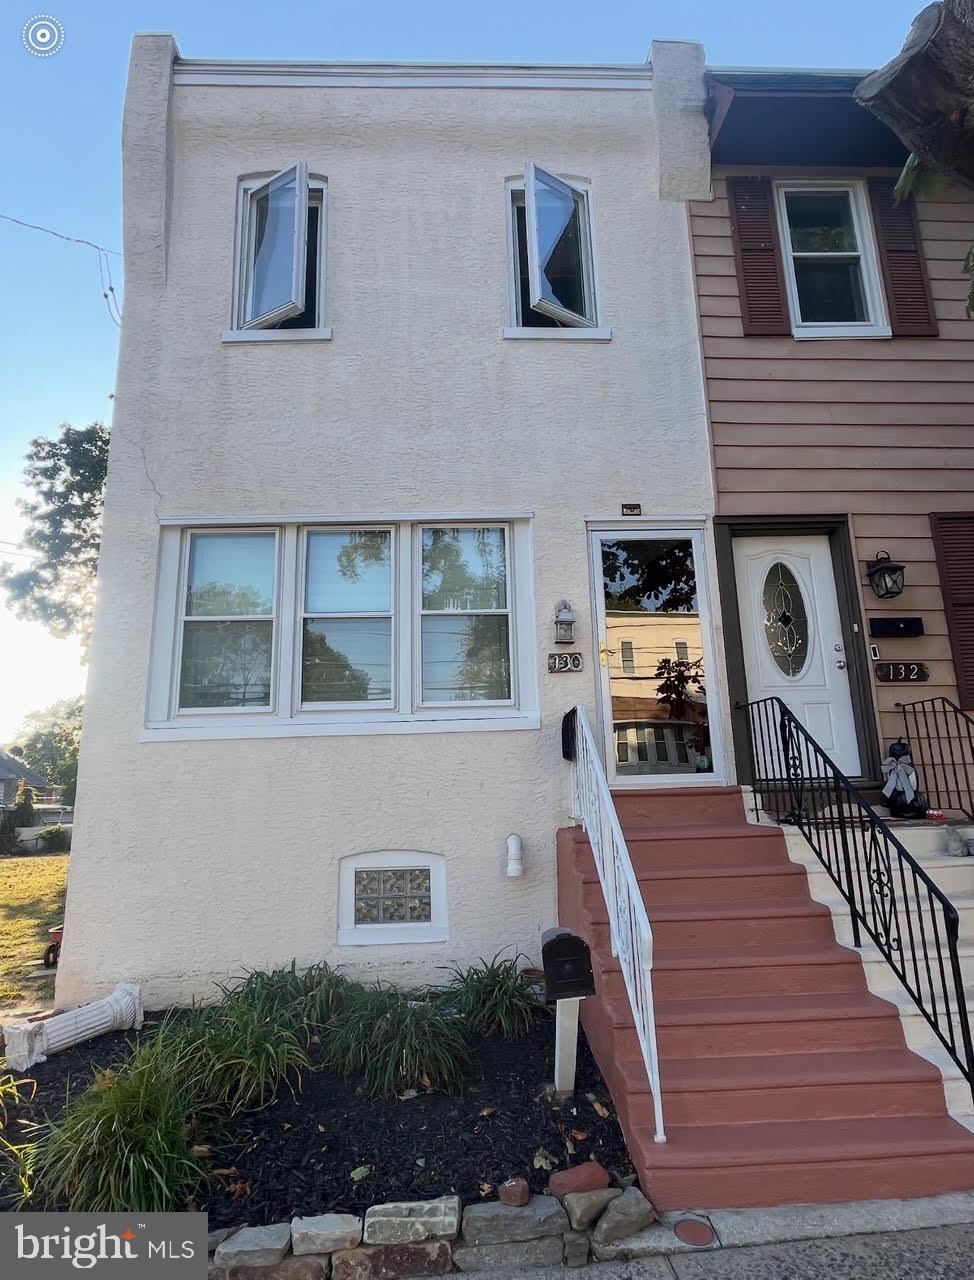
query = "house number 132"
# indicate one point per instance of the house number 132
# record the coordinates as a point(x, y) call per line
point(901, 672)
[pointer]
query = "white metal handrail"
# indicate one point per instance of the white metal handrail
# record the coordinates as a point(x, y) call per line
point(629, 929)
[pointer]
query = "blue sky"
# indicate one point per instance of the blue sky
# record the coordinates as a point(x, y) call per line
point(61, 129)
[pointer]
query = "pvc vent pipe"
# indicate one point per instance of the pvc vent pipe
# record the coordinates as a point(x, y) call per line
point(28, 1043)
point(515, 857)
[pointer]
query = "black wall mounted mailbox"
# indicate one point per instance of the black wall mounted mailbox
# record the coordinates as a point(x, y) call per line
point(895, 628)
point(567, 965)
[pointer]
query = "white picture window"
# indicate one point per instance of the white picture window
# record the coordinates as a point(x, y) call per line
point(552, 251)
point(332, 628)
point(226, 646)
point(280, 259)
point(392, 897)
point(831, 266)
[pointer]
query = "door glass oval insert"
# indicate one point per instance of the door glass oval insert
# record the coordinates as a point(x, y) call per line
point(785, 619)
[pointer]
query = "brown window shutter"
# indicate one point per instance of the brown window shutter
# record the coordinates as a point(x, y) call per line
point(911, 310)
point(760, 279)
point(953, 539)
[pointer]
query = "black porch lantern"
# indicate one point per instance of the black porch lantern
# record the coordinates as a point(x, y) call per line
point(885, 576)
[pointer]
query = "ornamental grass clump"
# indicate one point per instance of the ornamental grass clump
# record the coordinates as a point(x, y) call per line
point(305, 1000)
point(124, 1145)
point(243, 1055)
point(392, 1043)
point(495, 998)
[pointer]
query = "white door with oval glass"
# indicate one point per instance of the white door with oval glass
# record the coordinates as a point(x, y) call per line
point(792, 637)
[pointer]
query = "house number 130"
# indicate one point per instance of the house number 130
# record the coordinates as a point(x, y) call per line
point(564, 662)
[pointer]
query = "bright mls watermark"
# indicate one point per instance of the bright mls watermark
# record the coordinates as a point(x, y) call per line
point(43, 35)
point(53, 1246)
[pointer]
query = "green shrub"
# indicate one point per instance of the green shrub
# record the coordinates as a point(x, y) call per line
point(243, 1054)
point(303, 1000)
point(391, 1043)
point(495, 998)
point(15, 1158)
point(54, 839)
point(124, 1145)
point(24, 812)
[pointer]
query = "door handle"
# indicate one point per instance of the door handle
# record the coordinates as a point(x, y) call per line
point(840, 663)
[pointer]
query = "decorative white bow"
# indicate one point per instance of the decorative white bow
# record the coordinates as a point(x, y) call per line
point(900, 775)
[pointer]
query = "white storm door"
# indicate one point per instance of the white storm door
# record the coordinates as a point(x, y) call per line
point(792, 637)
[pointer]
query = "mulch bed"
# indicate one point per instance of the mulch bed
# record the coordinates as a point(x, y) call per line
point(297, 1156)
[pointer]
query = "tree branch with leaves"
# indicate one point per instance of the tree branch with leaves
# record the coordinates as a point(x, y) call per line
point(67, 477)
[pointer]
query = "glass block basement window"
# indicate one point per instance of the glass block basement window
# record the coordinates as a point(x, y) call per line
point(393, 897)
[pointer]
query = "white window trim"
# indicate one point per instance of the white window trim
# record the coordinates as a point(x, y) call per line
point(285, 717)
point(436, 929)
point(238, 332)
point(514, 330)
point(877, 326)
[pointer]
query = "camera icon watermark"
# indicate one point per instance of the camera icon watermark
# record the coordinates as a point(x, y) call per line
point(43, 35)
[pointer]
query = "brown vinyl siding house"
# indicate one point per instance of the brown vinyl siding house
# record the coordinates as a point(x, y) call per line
point(867, 441)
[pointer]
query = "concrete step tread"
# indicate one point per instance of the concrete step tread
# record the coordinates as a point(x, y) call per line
point(738, 1010)
point(809, 860)
point(685, 793)
point(721, 871)
point(901, 998)
point(791, 1071)
point(776, 909)
point(805, 1142)
point(735, 958)
point(706, 831)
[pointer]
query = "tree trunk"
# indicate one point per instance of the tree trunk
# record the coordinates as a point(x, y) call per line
point(926, 94)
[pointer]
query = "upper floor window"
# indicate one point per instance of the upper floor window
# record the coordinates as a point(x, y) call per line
point(552, 253)
point(279, 276)
point(831, 268)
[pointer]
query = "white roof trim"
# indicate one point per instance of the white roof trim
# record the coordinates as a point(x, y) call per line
point(412, 75)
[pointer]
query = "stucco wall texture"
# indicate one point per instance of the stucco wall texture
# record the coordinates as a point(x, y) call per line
point(195, 860)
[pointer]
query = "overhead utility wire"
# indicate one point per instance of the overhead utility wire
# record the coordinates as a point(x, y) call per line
point(104, 261)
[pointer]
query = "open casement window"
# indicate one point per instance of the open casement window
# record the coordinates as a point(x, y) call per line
point(557, 229)
point(274, 244)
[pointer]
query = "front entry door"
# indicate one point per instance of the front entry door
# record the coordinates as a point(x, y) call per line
point(656, 661)
point(792, 637)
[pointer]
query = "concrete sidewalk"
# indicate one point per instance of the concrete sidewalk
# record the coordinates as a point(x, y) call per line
point(933, 1253)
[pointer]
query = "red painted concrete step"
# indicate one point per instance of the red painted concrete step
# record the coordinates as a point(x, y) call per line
point(784, 1079)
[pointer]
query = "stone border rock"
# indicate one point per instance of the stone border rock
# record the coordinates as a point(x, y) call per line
point(439, 1237)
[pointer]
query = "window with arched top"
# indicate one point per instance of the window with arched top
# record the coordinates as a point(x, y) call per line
point(392, 896)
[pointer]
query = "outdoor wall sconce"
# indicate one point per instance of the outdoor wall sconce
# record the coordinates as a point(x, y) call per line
point(564, 623)
point(885, 576)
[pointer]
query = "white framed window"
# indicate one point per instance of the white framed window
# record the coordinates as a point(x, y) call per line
point(552, 266)
point(628, 658)
point(465, 615)
point(318, 627)
point(279, 258)
point(682, 650)
point(832, 273)
point(348, 617)
point(392, 897)
point(226, 635)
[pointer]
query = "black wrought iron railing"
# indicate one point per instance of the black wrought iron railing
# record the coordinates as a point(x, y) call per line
point(941, 739)
point(892, 900)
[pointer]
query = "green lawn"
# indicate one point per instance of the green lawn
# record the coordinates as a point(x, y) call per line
point(31, 900)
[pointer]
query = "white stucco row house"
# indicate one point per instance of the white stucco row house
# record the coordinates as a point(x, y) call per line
point(409, 358)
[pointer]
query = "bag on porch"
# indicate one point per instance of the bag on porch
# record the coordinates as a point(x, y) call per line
point(902, 789)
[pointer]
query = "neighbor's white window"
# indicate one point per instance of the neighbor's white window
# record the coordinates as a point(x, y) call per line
point(354, 628)
point(553, 274)
point(628, 658)
point(226, 649)
point(392, 897)
point(280, 256)
point(831, 266)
